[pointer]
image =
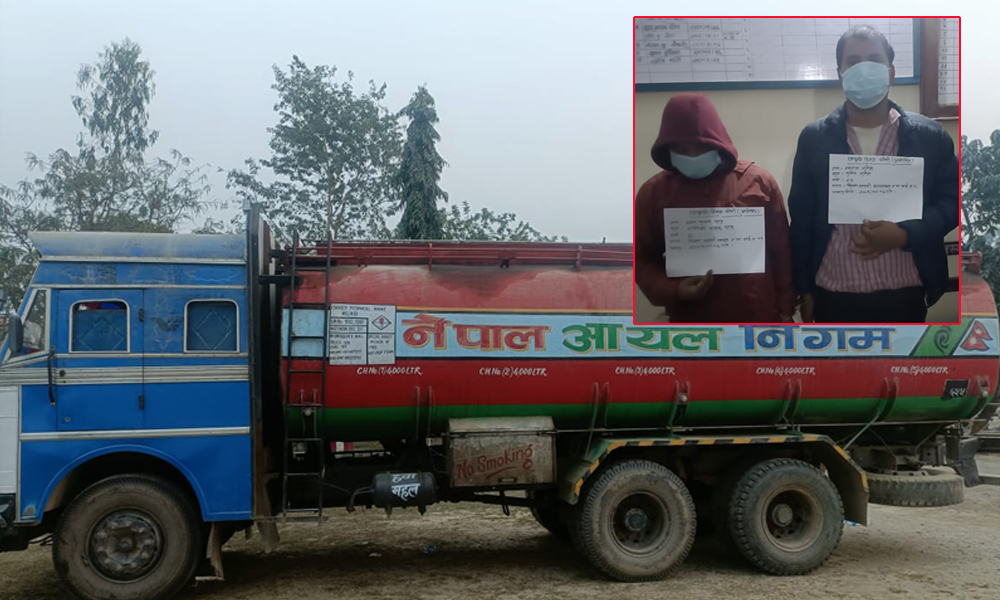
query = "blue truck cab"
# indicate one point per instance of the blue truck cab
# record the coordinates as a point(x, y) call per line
point(128, 372)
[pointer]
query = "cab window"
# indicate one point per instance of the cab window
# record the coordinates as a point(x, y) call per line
point(211, 326)
point(99, 326)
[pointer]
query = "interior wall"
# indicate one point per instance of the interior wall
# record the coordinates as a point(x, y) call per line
point(764, 125)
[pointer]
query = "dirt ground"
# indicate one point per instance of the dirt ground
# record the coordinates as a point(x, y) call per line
point(906, 553)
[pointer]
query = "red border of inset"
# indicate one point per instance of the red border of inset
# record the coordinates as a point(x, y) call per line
point(959, 144)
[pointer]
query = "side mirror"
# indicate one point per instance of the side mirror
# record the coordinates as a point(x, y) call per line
point(15, 334)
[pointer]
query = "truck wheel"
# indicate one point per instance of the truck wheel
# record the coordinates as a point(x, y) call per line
point(636, 522)
point(127, 538)
point(550, 514)
point(722, 495)
point(785, 516)
point(926, 487)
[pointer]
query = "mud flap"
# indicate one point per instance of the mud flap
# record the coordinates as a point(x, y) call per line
point(268, 528)
point(848, 477)
point(268, 535)
point(966, 465)
point(213, 555)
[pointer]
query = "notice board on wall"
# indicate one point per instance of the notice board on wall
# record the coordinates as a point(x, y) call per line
point(678, 54)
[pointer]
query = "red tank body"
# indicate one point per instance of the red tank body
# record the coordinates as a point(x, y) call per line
point(421, 333)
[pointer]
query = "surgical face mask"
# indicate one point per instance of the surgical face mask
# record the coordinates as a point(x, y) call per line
point(696, 167)
point(866, 83)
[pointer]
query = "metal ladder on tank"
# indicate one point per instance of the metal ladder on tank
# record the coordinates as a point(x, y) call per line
point(309, 410)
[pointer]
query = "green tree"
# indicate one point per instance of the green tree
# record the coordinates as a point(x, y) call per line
point(981, 204)
point(460, 222)
point(109, 183)
point(19, 215)
point(419, 172)
point(333, 154)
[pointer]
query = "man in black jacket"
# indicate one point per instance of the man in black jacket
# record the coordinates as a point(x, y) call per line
point(878, 272)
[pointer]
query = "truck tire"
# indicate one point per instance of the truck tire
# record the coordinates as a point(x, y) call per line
point(550, 514)
point(722, 495)
point(785, 516)
point(636, 522)
point(925, 487)
point(127, 538)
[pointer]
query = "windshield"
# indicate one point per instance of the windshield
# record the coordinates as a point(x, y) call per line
point(34, 319)
point(34, 325)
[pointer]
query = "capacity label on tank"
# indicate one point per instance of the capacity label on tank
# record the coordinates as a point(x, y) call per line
point(362, 334)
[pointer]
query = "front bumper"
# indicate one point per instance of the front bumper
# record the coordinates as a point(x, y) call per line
point(11, 537)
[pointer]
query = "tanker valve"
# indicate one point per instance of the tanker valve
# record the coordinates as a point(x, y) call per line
point(404, 489)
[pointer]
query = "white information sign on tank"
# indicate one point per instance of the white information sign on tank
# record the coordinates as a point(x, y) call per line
point(362, 334)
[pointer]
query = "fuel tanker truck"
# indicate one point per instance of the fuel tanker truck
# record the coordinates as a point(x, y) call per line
point(160, 392)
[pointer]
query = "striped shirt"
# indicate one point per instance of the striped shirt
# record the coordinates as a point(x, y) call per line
point(845, 271)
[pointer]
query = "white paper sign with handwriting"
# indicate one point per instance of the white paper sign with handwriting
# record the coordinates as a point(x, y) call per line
point(877, 188)
point(725, 240)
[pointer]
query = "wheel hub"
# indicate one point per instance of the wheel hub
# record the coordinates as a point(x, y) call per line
point(640, 523)
point(792, 518)
point(636, 519)
point(125, 545)
point(782, 514)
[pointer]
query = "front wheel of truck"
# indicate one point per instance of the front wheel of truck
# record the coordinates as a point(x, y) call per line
point(636, 522)
point(127, 538)
point(785, 516)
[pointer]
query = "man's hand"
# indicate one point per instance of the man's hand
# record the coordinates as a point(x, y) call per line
point(695, 288)
point(877, 238)
point(806, 306)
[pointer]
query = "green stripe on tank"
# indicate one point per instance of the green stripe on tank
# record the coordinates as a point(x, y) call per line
point(347, 424)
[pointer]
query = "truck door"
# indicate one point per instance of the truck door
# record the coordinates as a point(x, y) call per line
point(22, 399)
point(98, 371)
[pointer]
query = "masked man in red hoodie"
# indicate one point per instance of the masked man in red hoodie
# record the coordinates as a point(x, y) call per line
point(700, 170)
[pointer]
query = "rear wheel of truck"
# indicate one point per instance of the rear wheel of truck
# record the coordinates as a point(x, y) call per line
point(635, 522)
point(785, 516)
point(127, 538)
point(923, 487)
point(722, 494)
point(550, 512)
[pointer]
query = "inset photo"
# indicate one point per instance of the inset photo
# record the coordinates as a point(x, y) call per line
point(798, 170)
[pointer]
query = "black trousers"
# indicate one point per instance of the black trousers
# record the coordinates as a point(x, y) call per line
point(905, 305)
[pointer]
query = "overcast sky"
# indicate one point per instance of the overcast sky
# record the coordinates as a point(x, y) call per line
point(535, 98)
